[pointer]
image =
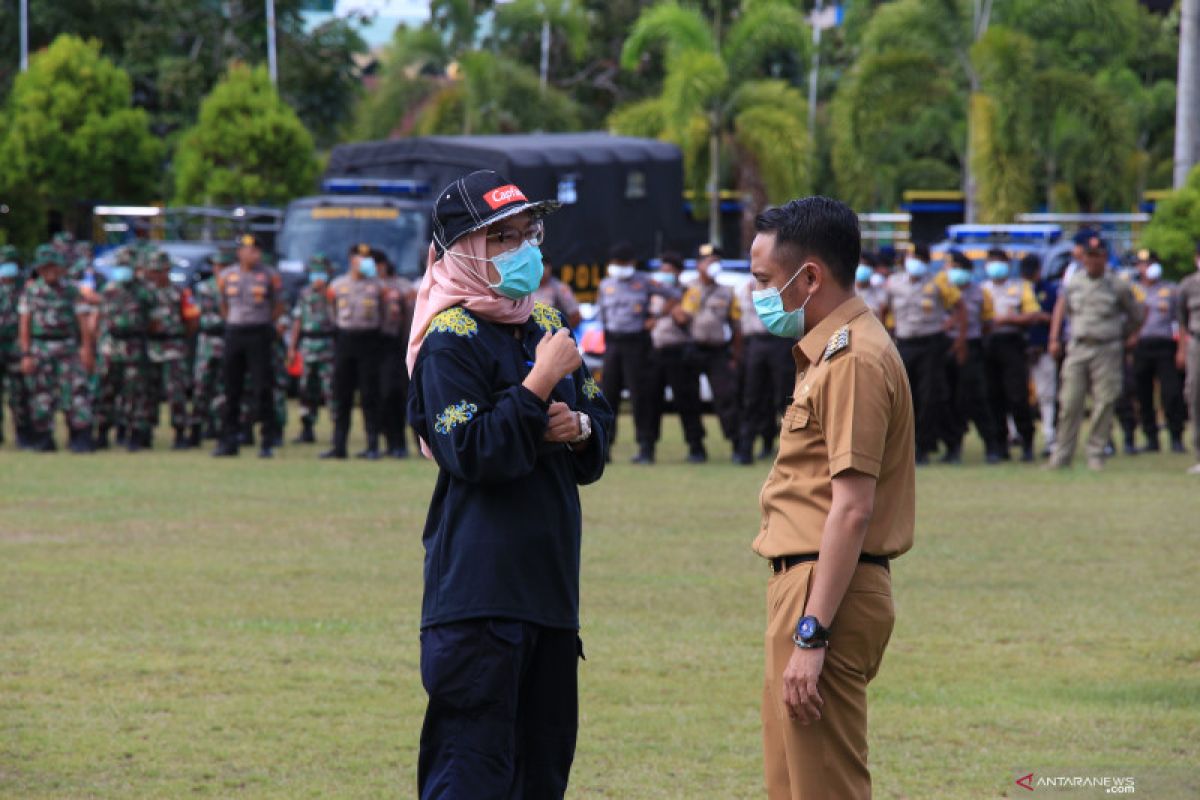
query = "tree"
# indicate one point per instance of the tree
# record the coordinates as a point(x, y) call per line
point(69, 134)
point(247, 147)
point(1175, 228)
point(719, 100)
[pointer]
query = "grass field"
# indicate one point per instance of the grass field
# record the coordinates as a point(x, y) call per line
point(177, 626)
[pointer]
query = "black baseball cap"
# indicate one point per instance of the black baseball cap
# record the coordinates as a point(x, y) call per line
point(477, 200)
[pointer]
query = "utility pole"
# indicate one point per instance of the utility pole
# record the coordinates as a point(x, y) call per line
point(272, 65)
point(24, 12)
point(812, 73)
point(1187, 103)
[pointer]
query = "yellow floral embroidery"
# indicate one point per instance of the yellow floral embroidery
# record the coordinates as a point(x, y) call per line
point(547, 317)
point(590, 390)
point(457, 414)
point(454, 320)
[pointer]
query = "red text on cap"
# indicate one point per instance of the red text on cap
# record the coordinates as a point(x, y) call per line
point(503, 196)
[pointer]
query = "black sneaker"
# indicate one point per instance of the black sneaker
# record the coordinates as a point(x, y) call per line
point(225, 450)
point(397, 452)
point(370, 454)
point(644, 456)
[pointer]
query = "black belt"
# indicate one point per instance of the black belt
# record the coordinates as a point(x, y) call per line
point(63, 338)
point(781, 563)
point(307, 335)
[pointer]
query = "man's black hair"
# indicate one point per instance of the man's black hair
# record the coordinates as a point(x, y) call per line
point(1031, 265)
point(997, 254)
point(961, 261)
point(817, 226)
point(673, 258)
point(622, 253)
point(921, 251)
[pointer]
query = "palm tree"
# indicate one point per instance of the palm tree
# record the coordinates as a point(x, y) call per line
point(719, 99)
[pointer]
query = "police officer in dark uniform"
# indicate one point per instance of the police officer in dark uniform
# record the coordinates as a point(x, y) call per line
point(715, 322)
point(251, 301)
point(624, 311)
point(358, 308)
point(1154, 354)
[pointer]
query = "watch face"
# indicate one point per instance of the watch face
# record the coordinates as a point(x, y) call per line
point(806, 628)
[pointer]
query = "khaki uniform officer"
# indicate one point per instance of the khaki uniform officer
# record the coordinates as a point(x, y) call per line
point(715, 325)
point(1189, 351)
point(1103, 315)
point(838, 505)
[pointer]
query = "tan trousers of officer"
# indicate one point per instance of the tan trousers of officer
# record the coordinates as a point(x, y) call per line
point(1193, 391)
point(1094, 369)
point(827, 759)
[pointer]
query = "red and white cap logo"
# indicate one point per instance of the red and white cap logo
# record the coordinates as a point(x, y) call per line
point(503, 196)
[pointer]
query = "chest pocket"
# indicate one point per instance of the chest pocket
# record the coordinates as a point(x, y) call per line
point(796, 418)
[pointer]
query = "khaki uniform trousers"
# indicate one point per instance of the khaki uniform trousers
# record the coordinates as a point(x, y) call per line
point(1095, 369)
point(1192, 391)
point(827, 759)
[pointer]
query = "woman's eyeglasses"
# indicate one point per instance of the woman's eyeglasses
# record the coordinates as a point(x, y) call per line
point(512, 238)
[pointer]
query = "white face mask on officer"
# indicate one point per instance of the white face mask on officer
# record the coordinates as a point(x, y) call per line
point(620, 271)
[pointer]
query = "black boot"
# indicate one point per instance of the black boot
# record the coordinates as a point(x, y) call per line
point(645, 455)
point(1131, 448)
point(266, 451)
point(334, 452)
point(306, 434)
point(227, 448)
point(181, 440)
point(1177, 444)
point(101, 442)
point(1152, 444)
point(81, 441)
point(372, 451)
point(196, 436)
point(697, 454)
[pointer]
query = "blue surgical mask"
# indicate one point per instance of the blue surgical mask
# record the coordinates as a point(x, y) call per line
point(520, 271)
point(1153, 272)
point(997, 270)
point(863, 273)
point(318, 277)
point(9, 270)
point(768, 304)
point(960, 276)
point(667, 278)
point(366, 267)
point(121, 274)
point(915, 267)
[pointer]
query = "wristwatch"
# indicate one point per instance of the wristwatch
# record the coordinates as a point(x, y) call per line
point(810, 635)
point(585, 427)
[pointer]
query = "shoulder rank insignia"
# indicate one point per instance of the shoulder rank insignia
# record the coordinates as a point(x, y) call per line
point(837, 343)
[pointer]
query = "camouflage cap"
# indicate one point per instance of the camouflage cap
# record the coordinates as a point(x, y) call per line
point(47, 255)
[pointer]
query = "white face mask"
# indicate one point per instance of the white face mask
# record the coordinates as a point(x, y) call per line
point(714, 269)
point(620, 272)
point(878, 280)
point(915, 267)
point(1154, 271)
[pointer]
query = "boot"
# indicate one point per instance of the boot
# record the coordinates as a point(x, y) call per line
point(226, 449)
point(265, 451)
point(102, 438)
point(196, 437)
point(181, 439)
point(1152, 444)
point(81, 441)
point(1131, 448)
point(306, 434)
point(1177, 444)
point(697, 454)
point(372, 451)
point(645, 455)
point(334, 453)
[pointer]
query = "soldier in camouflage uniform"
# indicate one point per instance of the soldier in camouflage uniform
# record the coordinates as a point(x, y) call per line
point(12, 383)
point(56, 352)
point(123, 394)
point(312, 337)
point(172, 320)
point(208, 384)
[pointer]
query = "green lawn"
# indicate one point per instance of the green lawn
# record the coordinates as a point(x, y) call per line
point(177, 626)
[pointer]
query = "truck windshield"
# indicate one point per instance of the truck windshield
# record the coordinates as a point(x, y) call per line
point(333, 230)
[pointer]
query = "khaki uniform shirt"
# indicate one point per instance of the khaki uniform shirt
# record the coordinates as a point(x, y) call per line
point(1189, 305)
point(666, 331)
point(851, 410)
point(715, 312)
point(1100, 309)
point(1013, 296)
point(921, 307)
point(357, 304)
point(978, 302)
point(1160, 308)
point(874, 296)
point(250, 297)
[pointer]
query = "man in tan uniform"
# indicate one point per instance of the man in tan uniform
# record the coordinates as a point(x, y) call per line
point(1104, 315)
point(1188, 356)
point(838, 505)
